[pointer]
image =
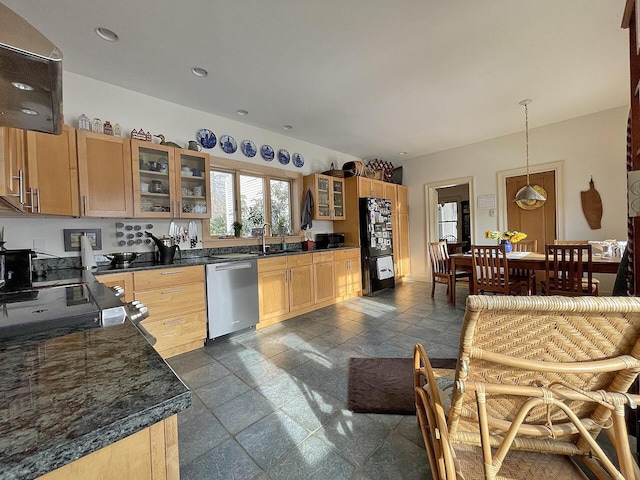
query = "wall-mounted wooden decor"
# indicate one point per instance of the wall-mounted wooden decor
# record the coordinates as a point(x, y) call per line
point(592, 206)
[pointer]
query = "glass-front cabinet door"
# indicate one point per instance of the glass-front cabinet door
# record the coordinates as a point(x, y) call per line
point(323, 197)
point(192, 186)
point(153, 180)
point(337, 187)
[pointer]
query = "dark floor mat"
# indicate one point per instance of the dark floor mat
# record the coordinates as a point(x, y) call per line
point(385, 385)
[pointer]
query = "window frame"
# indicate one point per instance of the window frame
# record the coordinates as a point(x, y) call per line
point(238, 168)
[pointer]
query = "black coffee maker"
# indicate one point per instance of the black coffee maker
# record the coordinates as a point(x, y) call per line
point(165, 253)
point(16, 269)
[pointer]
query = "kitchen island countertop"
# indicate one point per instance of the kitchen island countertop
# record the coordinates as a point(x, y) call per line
point(70, 395)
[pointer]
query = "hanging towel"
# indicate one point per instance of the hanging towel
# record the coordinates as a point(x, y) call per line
point(307, 211)
point(385, 267)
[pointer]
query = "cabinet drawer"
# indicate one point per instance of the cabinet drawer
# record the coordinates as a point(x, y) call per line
point(299, 260)
point(345, 254)
point(177, 330)
point(167, 277)
point(173, 299)
point(272, 264)
point(322, 257)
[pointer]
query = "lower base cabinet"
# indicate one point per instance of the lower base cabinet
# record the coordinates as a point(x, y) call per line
point(150, 454)
point(292, 285)
point(177, 307)
point(348, 274)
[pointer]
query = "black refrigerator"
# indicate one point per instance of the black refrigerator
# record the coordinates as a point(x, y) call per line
point(376, 239)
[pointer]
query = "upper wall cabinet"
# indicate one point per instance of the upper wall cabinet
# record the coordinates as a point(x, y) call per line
point(53, 172)
point(169, 182)
point(104, 167)
point(328, 196)
point(13, 187)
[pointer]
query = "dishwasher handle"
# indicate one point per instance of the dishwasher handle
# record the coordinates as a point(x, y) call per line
point(232, 266)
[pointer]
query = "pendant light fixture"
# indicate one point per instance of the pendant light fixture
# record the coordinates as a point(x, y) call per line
point(528, 193)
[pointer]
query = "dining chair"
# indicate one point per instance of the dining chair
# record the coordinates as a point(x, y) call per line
point(441, 270)
point(537, 380)
point(526, 277)
point(490, 270)
point(571, 242)
point(569, 270)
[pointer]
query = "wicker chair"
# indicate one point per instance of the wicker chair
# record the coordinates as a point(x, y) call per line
point(537, 379)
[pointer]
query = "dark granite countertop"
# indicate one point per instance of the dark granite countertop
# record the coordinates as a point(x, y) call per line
point(189, 261)
point(66, 396)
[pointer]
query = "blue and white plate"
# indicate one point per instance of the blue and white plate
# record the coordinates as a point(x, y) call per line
point(266, 151)
point(248, 148)
point(298, 160)
point(228, 144)
point(283, 156)
point(206, 138)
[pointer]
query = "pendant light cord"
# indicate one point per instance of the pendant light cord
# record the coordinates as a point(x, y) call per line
point(526, 136)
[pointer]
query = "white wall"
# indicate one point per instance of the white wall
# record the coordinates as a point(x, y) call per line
point(594, 145)
point(179, 124)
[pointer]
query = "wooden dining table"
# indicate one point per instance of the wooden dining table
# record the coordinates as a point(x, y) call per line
point(530, 261)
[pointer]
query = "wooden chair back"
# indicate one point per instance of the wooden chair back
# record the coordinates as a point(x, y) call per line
point(571, 242)
point(440, 262)
point(534, 374)
point(490, 270)
point(569, 270)
point(526, 246)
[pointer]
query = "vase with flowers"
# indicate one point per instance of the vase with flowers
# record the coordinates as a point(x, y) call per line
point(508, 238)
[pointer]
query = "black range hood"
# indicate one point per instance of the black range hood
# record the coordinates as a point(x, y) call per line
point(30, 76)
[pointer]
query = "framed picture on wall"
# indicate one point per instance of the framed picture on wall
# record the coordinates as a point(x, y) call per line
point(72, 238)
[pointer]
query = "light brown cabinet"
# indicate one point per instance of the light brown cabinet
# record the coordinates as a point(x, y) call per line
point(348, 273)
point(121, 279)
point(175, 298)
point(285, 286)
point(104, 168)
point(296, 284)
point(13, 188)
point(169, 182)
point(402, 254)
point(150, 454)
point(53, 172)
point(323, 276)
point(328, 196)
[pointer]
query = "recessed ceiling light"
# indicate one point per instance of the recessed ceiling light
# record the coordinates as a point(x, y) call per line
point(28, 111)
point(287, 127)
point(106, 34)
point(199, 72)
point(22, 86)
point(402, 153)
point(242, 112)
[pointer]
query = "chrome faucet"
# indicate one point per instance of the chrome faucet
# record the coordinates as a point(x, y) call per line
point(264, 244)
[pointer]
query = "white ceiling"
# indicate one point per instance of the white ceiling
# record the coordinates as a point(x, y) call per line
point(369, 78)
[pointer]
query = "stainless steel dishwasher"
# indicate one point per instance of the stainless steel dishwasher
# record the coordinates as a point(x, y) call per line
point(232, 296)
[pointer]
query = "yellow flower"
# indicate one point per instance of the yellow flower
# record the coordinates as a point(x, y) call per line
point(512, 236)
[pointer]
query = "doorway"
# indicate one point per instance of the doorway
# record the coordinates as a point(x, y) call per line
point(465, 210)
point(544, 224)
point(537, 221)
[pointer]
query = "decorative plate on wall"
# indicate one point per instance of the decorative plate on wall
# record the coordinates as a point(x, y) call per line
point(266, 152)
point(228, 144)
point(248, 148)
point(298, 160)
point(283, 156)
point(206, 138)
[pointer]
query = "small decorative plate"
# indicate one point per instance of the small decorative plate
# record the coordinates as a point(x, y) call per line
point(248, 148)
point(298, 160)
point(228, 144)
point(283, 156)
point(206, 138)
point(266, 151)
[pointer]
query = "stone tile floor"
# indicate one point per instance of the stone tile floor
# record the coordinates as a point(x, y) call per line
point(271, 404)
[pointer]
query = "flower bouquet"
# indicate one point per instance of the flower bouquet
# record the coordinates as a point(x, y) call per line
point(510, 236)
